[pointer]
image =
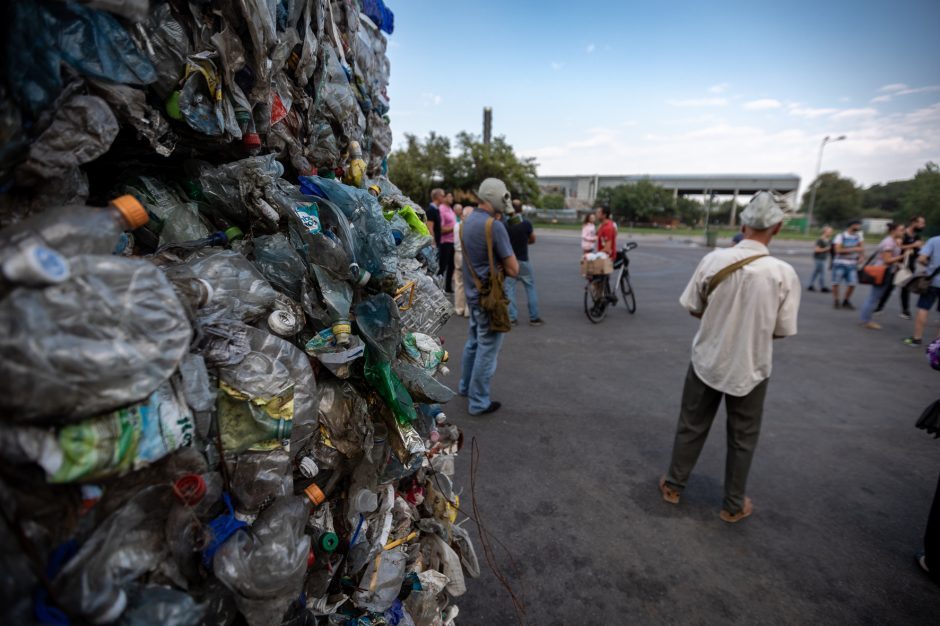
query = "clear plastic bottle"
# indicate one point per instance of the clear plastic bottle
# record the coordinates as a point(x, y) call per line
point(74, 230)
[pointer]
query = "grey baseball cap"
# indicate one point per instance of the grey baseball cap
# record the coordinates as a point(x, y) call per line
point(762, 212)
point(494, 191)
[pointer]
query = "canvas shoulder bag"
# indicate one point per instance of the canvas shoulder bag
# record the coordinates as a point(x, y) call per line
point(724, 273)
point(920, 284)
point(493, 298)
point(903, 273)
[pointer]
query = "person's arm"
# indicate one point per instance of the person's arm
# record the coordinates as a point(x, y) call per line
point(890, 259)
point(789, 306)
point(531, 232)
point(691, 299)
point(502, 248)
point(511, 266)
point(822, 249)
point(923, 260)
point(430, 225)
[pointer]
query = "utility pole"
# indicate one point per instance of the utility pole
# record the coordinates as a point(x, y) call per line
point(487, 125)
point(815, 183)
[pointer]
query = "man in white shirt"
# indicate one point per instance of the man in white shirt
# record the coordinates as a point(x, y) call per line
point(745, 299)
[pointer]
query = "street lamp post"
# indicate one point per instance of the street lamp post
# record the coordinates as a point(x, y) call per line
point(812, 195)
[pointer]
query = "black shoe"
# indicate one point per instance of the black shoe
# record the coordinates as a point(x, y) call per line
point(847, 305)
point(536, 322)
point(612, 299)
point(905, 315)
point(811, 288)
point(914, 343)
point(836, 305)
point(492, 408)
point(825, 290)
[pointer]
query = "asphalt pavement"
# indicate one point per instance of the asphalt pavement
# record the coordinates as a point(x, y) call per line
point(566, 473)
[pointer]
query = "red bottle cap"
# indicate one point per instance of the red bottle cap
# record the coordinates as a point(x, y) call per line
point(190, 489)
point(311, 559)
point(251, 141)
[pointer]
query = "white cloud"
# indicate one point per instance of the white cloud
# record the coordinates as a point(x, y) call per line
point(555, 65)
point(590, 48)
point(884, 98)
point(698, 102)
point(810, 112)
point(854, 113)
point(431, 99)
point(893, 87)
point(762, 104)
point(719, 88)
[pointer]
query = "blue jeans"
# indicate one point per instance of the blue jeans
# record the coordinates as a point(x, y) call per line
point(526, 278)
point(844, 275)
point(819, 270)
point(479, 360)
point(872, 302)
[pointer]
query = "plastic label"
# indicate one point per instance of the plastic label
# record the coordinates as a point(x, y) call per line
point(310, 217)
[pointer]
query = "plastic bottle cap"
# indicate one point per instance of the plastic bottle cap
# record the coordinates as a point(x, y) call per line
point(133, 211)
point(315, 494)
point(190, 489)
point(206, 293)
point(234, 233)
point(251, 141)
point(283, 323)
point(329, 542)
point(37, 265)
point(311, 559)
point(173, 106)
point(308, 467)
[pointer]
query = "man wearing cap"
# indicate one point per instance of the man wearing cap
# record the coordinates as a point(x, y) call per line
point(483, 344)
point(745, 299)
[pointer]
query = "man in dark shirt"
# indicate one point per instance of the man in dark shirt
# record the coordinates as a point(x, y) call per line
point(820, 255)
point(434, 215)
point(521, 236)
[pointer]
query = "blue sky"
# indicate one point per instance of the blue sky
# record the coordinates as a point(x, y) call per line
point(591, 87)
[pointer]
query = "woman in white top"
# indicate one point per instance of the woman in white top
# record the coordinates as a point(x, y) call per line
point(460, 297)
point(887, 254)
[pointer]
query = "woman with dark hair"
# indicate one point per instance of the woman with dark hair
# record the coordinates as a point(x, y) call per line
point(588, 234)
point(888, 254)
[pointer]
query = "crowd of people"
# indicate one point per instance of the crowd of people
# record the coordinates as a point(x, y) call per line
point(898, 260)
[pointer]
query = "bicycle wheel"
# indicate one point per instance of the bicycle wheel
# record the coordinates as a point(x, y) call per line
point(595, 301)
point(626, 290)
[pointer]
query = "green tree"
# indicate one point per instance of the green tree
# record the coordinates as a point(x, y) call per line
point(476, 161)
point(552, 201)
point(420, 166)
point(838, 199)
point(923, 197)
point(637, 202)
point(885, 198)
point(688, 211)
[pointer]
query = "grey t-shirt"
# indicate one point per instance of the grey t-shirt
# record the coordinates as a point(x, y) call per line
point(473, 231)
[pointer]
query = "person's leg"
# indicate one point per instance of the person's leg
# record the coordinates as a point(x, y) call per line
point(822, 275)
point(488, 345)
point(924, 303)
point(528, 279)
point(932, 535)
point(447, 265)
point(886, 292)
point(906, 302)
point(509, 286)
point(836, 281)
point(699, 405)
point(874, 297)
point(469, 352)
point(851, 281)
point(744, 418)
point(817, 274)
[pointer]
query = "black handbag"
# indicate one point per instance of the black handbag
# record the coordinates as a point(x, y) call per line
point(930, 419)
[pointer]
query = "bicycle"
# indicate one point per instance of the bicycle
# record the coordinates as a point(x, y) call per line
point(597, 291)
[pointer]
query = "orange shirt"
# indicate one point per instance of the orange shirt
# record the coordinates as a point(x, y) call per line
point(607, 239)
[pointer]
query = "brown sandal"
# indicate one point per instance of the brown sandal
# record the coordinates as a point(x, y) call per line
point(732, 518)
point(670, 495)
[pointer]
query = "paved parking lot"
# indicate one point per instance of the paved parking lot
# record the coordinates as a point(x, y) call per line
point(841, 482)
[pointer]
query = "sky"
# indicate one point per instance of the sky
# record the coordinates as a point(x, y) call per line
point(590, 87)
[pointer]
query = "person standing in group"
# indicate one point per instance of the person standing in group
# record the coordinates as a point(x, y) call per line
point(521, 236)
point(606, 232)
point(887, 255)
point(460, 298)
point(588, 234)
point(930, 258)
point(745, 299)
point(849, 247)
point(483, 343)
point(434, 215)
point(910, 244)
point(820, 255)
point(445, 245)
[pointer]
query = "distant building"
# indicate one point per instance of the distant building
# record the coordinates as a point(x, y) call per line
point(580, 192)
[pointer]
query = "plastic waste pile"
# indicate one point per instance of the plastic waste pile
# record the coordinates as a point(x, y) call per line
point(218, 367)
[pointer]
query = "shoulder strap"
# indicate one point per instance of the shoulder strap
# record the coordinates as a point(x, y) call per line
point(466, 259)
point(489, 244)
point(725, 272)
